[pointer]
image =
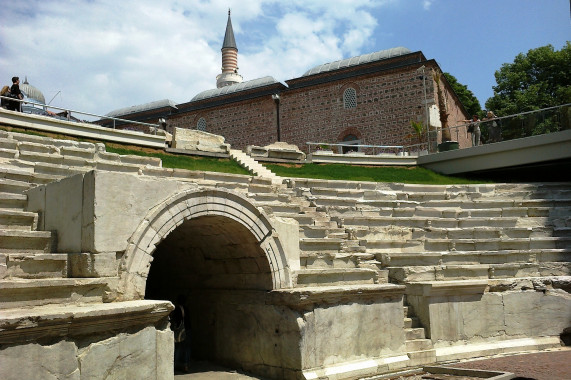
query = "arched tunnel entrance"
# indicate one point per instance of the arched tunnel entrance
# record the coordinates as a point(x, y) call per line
point(218, 265)
point(224, 255)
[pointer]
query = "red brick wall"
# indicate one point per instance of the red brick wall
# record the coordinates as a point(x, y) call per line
point(386, 103)
point(251, 122)
point(455, 114)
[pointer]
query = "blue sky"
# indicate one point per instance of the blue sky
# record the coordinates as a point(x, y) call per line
point(100, 55)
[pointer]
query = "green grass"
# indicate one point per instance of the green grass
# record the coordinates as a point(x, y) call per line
point(177, 161)
point(367, 173)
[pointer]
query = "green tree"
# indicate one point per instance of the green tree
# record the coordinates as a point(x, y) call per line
point(467, 98)
point(539, 79)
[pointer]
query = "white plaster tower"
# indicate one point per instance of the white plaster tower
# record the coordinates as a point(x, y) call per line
point(229, 73)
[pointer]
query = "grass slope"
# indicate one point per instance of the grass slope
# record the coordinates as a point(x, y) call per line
point(366, 173)
point(178, 161)
point(321, 171)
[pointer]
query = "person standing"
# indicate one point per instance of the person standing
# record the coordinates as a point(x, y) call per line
point(474, 129)
point(180, 326)
point(494, 128)
point(16, 94)
point(5, 103)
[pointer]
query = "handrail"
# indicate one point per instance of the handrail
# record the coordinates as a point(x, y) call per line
point(400, 147)
point(500, 118)
point(68, 111)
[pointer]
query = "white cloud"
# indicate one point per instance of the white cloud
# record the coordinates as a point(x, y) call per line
point(103, 55)
point(426, 4)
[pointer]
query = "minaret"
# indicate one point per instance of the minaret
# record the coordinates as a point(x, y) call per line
point(229, 74)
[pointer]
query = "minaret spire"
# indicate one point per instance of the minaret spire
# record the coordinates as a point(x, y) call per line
point(229, 74)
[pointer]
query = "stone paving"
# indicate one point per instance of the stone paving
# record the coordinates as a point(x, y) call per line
point(553, 365)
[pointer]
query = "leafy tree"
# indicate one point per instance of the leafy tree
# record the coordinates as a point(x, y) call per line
point(467, 98)
point(539, 79)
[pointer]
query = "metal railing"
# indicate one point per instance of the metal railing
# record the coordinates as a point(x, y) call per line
point(322, 146)
point(42, 110)
point(520, 125)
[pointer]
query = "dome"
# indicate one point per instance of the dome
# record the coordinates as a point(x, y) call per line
point(142, 108)
point(32, 93)
point(365, 58)
point(243, 86)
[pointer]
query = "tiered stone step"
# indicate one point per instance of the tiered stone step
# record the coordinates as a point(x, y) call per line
point(23, 249)
point(26, 175)
point(19, 293)
point(533, 191)
point(309, 217)
point(15, 219)
point(51, 159)
point(341, 276)
point(12, 201)
point(443, 232)
point(20, 241)
point(33, 265)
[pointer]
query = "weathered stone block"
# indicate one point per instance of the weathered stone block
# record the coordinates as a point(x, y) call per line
point(93, 265)
point(34, 361)
point(192, 139)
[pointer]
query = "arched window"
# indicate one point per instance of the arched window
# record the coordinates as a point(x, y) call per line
point(201, 125)
point(350, 98)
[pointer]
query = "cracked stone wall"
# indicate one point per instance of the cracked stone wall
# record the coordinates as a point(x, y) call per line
point(258, 332)
point(145, 354)
point(521, 312)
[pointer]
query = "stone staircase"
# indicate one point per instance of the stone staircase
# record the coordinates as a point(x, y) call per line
point(420, 350)
point(253, 166)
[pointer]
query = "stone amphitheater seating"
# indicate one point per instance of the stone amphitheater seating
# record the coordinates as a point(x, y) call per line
point(352, 234)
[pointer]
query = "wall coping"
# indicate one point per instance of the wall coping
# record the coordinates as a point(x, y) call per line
point(69, 320)
point(446, 288)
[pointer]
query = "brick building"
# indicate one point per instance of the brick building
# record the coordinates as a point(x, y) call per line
point(370, 99)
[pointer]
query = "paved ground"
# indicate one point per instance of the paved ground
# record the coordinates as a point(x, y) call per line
point(552, 365)
point(208, 371)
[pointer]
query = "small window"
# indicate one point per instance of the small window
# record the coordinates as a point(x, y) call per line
point(201, 125)
point(348, 141)
point(350, 98)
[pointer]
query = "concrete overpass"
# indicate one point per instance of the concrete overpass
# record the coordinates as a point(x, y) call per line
point(536, 158)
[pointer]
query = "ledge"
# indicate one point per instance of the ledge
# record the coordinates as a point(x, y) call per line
point(27, 325)
point(468, 351)
point(189, 152)
point(362, 159)
point(333, 294)
point(446, 288)
point(84, 130)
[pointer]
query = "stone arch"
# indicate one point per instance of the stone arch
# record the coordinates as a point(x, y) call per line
point(171, 213)
point(349, 131)
point(347, 85)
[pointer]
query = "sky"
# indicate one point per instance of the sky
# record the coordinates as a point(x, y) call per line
point(97, 56)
